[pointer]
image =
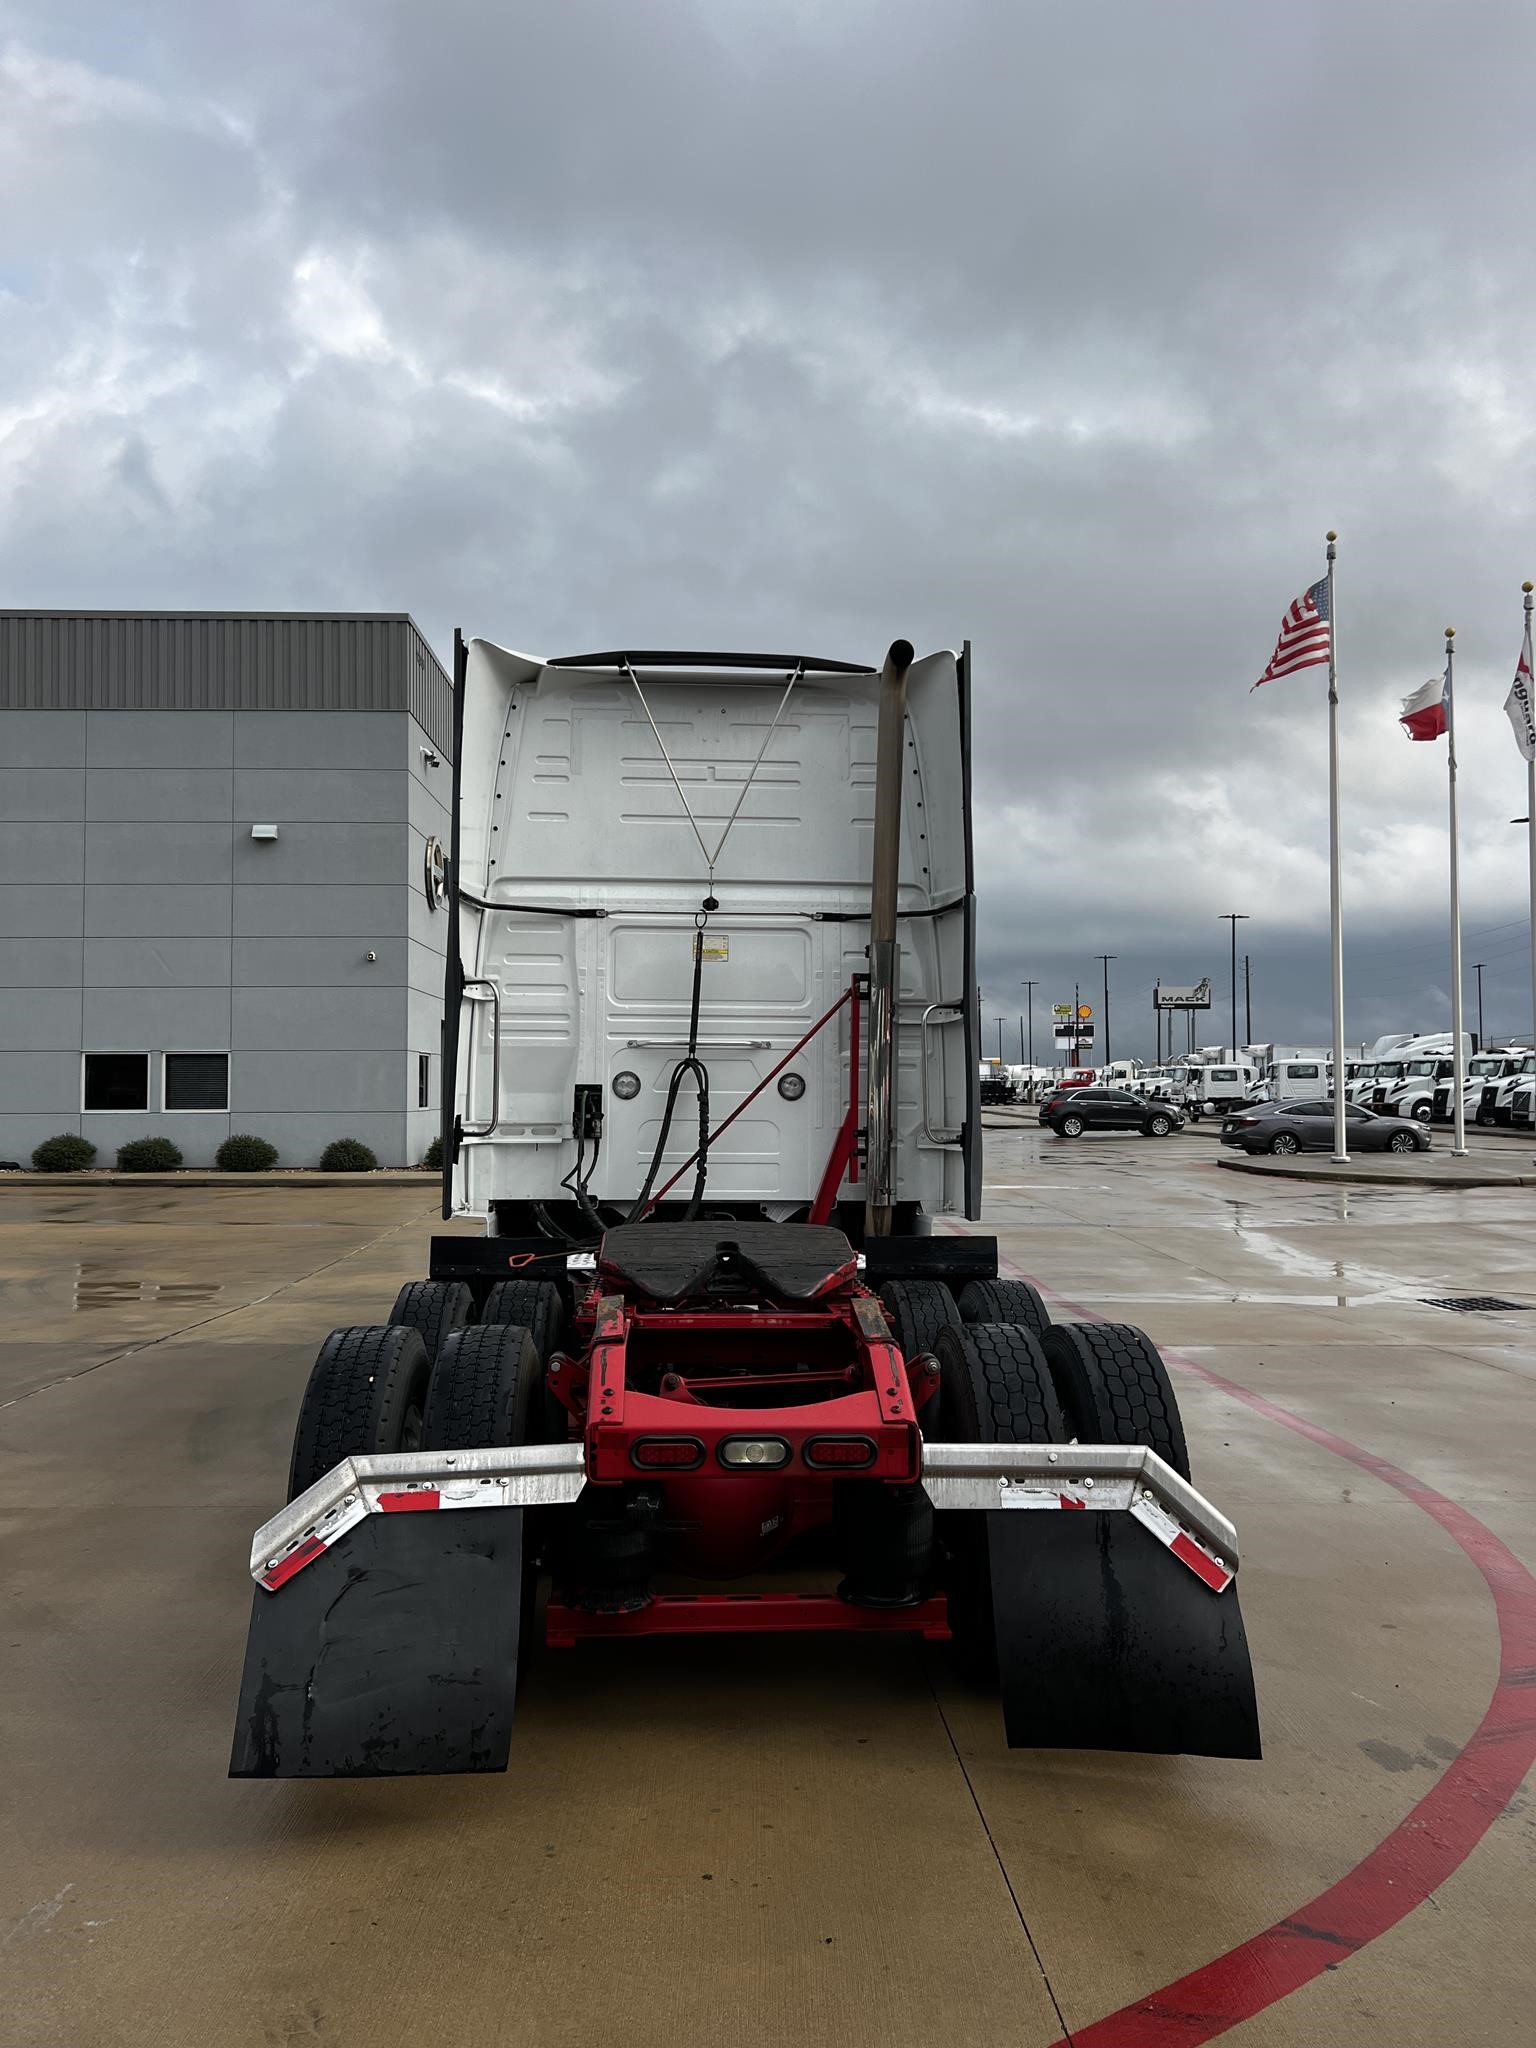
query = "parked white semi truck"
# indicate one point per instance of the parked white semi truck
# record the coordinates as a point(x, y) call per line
point(1486, 1072)
point(711, 1071)
point(1296, 1076)
point(1423, 1067)
point(1215, 1082)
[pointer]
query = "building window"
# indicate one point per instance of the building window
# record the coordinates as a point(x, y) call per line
point(197, 1080)
point(116, 1080)
point(423, 1080)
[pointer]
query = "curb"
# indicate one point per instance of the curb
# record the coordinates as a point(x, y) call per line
point(1325, 1173)
point(196, 1177)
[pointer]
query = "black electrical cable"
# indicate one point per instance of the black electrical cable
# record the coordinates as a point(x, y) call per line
point(691, 1064)
point(583, 1181)
point(578, 1183)
point(549, 1228)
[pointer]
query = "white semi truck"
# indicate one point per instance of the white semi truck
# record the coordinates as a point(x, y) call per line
point(1424, 1066)
point(711, 1073)
point(1216, 1082)
point(1494, 1082)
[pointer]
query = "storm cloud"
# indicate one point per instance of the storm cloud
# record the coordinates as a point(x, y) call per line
point(1067, 330)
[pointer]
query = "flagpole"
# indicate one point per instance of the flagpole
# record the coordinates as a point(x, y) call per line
point(1458, 1099)
point(1530, 812)
point(1335, 894)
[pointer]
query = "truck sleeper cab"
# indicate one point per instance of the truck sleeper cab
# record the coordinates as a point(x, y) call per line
point(618, 810)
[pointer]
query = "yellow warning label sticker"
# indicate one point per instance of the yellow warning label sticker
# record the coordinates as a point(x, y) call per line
point(714, 946)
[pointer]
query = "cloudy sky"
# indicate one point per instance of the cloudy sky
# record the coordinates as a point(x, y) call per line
point(805, 324)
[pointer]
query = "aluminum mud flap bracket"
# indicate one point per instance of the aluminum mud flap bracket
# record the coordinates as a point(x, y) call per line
point(1113, 1599)
point(384, 1632)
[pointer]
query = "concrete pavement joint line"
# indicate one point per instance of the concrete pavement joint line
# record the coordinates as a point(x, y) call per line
point(1050, 1989)
point(235, 1309)
point(1431, 1841)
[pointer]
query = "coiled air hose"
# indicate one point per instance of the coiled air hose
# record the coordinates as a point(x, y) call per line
point(692, 1065)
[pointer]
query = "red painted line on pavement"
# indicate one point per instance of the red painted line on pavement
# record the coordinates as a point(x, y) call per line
point(1425, 1847)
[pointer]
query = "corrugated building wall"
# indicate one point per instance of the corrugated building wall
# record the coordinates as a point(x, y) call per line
point(223, 661)
point(152, 938)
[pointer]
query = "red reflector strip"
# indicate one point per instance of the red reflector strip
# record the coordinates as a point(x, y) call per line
point(295, 1561)
point(1187, 1551)
point(411, 1503)
point(1068, 1502)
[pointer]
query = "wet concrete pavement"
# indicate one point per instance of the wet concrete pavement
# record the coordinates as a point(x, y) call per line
point(792, 1841)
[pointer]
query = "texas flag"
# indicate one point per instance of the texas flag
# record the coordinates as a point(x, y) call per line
point(1423, 715)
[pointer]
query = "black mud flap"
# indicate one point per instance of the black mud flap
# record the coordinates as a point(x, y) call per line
point(1106, 1641)
point(394, 1654)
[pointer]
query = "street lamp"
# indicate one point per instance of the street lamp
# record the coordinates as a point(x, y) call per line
point(1233, 918)
point(1029, 988)
point(1106, 958)
point(1477, 969)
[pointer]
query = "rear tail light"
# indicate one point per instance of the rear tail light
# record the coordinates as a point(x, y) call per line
point(669, 1453)
point(843, 1452)
point(754, 1453)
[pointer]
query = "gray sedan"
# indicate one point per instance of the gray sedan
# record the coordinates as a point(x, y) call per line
point(1308, 1127)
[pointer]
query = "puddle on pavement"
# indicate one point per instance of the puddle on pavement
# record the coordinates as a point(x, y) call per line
point(105, 1287)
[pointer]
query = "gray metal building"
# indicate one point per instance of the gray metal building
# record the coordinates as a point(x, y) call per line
point(217, 913)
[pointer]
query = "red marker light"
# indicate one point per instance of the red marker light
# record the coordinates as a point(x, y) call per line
point(667, 1453)
point(842, 1452)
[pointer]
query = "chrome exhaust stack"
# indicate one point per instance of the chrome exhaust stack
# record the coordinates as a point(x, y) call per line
point(884, 960)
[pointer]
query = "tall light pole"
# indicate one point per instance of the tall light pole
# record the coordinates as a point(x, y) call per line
point(1233, 918)
point(1106, 958)
point(1247, 1000)
point(1529, 821)
point(1029, 988)
point(1477, 969)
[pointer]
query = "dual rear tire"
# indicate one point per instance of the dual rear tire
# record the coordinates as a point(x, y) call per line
point(432, 1378)
point(1006, 1382)
point(1100, 1383)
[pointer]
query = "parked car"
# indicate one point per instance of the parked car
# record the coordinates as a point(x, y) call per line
point(1308, 1127)
point(1070, 1112)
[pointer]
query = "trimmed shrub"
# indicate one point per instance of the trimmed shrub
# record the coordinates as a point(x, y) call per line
point(148, 1155)
point(348, 1155)
point(64, 1154)
point(245, 1154)
point(433, 1161)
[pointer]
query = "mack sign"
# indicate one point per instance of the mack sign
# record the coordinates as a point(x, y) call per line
point(1196, 998)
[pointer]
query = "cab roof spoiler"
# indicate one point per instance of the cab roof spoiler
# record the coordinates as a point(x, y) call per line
point(678, 658)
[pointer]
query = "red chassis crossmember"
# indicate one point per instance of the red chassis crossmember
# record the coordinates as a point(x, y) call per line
point(747, 1416)
point(697, 1614)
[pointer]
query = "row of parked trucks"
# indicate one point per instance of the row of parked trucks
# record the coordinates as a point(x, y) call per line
point(1403, 1074)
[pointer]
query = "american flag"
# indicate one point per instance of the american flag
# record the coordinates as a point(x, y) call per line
point(1303, 641)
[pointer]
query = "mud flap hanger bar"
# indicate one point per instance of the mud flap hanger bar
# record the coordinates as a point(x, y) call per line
point(403, 1482)
point(955, 1476)
point(1130, 1477)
